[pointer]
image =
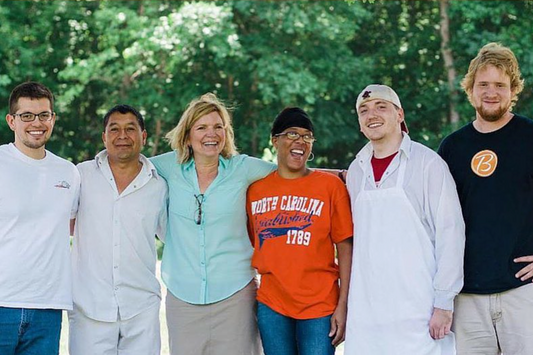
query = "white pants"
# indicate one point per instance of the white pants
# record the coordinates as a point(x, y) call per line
point(134, 336)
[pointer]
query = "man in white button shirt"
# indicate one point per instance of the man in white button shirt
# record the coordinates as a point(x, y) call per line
point(38, 196)
point(408, 238)
point(122, 207)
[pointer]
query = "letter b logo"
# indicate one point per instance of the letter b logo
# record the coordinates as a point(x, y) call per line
point(484, 163)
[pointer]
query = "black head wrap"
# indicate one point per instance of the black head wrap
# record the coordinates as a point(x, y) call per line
point(291, 117)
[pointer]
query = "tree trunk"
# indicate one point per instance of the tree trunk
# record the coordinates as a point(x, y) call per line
point(447, 55)
point(231, 80)
point(157, 135)
point(252, 115)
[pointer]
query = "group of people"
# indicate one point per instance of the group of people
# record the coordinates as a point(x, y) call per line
point(408, 252)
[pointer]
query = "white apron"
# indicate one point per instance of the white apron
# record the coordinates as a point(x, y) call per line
point(391, 289)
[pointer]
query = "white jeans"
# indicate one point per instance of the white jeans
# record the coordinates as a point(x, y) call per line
point(134, 336)
point(495, 323)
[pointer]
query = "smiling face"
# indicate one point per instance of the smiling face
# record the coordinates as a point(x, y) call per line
point(30, 137)
point(292, 154)
point(207, 137)
point(123, 138)
point(491, 93)
point(380, 120)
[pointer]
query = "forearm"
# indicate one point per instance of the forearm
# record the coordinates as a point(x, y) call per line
point(340, 173)
point(448, 280)
point(449, 243)
point(344, 254)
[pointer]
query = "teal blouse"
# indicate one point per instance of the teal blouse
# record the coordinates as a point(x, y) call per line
point(210, 261)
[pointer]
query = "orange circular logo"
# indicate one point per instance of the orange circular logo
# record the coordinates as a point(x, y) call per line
point(484, 163)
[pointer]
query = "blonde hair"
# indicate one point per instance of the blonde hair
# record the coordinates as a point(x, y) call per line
point(196, 109)
point(502, 58)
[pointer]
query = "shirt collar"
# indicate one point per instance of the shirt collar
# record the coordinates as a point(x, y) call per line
point(367, 152)
point(222, 162)
point(147, 166)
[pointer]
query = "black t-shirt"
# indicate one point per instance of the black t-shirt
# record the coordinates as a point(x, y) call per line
point(494, 177)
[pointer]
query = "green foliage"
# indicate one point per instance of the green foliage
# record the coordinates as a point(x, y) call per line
point(260, 56)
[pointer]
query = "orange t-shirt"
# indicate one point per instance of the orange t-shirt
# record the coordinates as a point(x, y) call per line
point(293, 224)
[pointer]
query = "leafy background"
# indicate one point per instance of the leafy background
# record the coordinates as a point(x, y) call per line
point(259, 56)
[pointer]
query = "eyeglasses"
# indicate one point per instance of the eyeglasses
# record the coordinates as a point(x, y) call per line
point(30, 117)
point(308, 138)
point(198, 213)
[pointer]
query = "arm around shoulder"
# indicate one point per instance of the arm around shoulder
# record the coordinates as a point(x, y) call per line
point(256, 168)
point(164, 163)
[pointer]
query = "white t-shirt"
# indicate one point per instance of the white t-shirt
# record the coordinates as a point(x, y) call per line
point(113, 251)
point(37, 200)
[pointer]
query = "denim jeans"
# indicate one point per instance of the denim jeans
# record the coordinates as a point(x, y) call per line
point(283, 335)
point(29, 331)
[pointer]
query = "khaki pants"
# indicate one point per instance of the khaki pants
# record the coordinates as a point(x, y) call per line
point(138, 335)
point(496, 323)
point(228, 327)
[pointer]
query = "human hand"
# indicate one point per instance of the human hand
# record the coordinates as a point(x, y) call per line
point(338, 325)
point(527, 271)
point(440, 323)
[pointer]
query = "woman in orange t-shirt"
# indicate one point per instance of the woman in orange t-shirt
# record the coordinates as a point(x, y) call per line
point(296, 219)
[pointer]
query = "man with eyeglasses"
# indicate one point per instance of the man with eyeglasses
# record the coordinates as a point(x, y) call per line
point(408, 238)
point(122, 207)
point(38, 196)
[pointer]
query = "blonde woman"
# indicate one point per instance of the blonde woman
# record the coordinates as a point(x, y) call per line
point(206, 261)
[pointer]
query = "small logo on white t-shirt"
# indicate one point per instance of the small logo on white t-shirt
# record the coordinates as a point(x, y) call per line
point(62, 185)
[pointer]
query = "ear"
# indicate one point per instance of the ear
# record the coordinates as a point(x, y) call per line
point(53, 121)
point(401, 115)
point(145, 135)
point(360, 124)
point(103, 138)
point(10, 121)
point(274, 141)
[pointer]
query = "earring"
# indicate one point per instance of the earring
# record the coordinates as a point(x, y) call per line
point(311, 156)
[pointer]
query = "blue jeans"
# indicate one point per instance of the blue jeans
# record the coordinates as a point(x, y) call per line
point(29, 331)
point(283, 335)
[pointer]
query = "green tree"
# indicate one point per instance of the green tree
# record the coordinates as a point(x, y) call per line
point(260, 56)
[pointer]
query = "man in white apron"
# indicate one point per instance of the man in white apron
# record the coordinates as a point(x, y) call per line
point(408, 238)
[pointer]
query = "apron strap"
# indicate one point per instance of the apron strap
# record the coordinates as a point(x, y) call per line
point(363, 180)
point(401, 171)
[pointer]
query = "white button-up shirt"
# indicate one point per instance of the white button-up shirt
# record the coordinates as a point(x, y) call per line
point(114, 253)
point(430, 188)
